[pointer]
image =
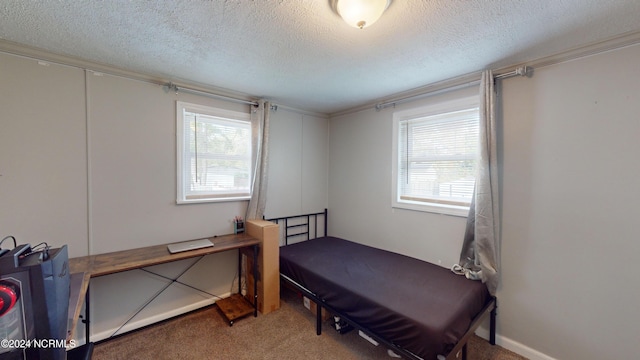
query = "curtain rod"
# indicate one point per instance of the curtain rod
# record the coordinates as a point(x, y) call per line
point(173, 87)
point(519, 71)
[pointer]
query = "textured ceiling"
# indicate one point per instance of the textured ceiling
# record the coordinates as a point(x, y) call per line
point(299, 53)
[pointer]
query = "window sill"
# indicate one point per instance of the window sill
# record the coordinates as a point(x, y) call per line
point(453, 210)
point(201, 201)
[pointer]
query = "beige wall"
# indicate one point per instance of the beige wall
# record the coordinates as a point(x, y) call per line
point(43, 157)
point(89, 160)
point(569, 169)
point(298, 170)
point(360, 190)
point(570, 195)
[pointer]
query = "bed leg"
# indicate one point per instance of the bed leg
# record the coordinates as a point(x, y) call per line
point(464, 352)
point(318, 319)
point(492, 327)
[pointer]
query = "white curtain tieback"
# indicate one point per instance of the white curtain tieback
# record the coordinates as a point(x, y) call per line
point(469, 274)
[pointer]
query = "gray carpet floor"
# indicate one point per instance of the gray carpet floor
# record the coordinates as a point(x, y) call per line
point(288, 333)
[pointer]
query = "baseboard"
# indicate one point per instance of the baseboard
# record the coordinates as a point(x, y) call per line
point(137, 324)
point(515, 346)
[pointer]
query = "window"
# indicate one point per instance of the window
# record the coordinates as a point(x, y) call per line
point(214, 154)
point(435, 156)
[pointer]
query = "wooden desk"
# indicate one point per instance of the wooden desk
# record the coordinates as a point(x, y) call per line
point(86, 267)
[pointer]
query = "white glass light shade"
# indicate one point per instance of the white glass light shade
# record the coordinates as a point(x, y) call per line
point(361, 13)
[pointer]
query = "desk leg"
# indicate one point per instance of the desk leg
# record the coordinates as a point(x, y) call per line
point(256, 248)
point(240, 271)
point(318, 318)
point(87, 312)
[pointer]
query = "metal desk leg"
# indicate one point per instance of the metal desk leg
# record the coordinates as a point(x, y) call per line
point(239, 271)
point(256, 248)
point(87, 312)
point(318, 319)
point(492, 326)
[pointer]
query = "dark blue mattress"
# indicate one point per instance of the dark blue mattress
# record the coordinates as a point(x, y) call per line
point(421, 307)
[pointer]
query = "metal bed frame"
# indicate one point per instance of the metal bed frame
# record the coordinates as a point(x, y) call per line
point(294, 229)
point(303, 227)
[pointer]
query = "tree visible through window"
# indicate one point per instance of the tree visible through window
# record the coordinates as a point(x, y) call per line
point(214, 154)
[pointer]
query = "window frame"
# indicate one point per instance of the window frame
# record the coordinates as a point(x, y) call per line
point(435, 206)
point(226, 115)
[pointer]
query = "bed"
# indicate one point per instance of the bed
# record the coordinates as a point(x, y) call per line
point(417, 309)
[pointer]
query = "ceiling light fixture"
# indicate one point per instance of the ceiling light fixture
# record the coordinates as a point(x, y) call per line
point(360, 13)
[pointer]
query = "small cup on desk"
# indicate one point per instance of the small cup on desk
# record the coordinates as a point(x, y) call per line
point(238, 225)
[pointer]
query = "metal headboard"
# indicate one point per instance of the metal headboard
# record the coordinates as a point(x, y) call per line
point(301, 225)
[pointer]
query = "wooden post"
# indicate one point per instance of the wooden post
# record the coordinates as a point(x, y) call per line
point(268, 265)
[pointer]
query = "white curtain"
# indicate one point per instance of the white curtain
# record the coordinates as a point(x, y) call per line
point(480, 255)
point(260, 131)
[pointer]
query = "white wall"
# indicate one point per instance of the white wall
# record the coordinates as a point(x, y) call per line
point(360, 190)
point(89, 160)
point(570, 196)
point(569, 169)
point(298, 170)
point(43, 158)
point(132, 159)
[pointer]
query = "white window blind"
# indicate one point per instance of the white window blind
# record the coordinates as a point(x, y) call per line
point(215, 154)
point(436, 159)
